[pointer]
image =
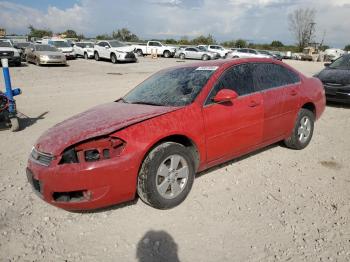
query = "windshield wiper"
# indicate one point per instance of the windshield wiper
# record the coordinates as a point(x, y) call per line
point(146, 103)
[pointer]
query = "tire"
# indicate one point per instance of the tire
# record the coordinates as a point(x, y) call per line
point(182, 56)
point(166, 54)
point(151, 178)
point(18, 64)
point(235, 56)
point(86, 56)
point(14, 124)
point(114, 59)
point(97, 57)
point(302, 131)
point(205, 57)
point(139, 52)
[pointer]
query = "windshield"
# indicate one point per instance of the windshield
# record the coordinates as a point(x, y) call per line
point(22, 45)
point(173, 87)
point(341, 63)
point(59, 43)
point(5, 44)
point(116, 44)
point(87, 45)
point(45, 48)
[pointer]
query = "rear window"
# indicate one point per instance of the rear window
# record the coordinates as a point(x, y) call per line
point(266, 76)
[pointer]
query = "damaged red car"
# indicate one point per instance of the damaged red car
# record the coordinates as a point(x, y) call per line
point(176, 123)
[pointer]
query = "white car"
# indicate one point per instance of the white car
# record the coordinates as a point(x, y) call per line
point(194, 53)
point(155, 47)
point(8, 51)
point(223, 52)
point(61, 44)
point(115, 51)
point(246, 53)
point(84, 49)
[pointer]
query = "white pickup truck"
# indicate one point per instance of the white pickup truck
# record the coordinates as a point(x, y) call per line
point(155, 47)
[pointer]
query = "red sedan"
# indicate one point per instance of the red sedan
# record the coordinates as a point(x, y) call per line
point(176, 123)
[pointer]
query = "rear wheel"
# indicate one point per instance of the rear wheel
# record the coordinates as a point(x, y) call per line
point(166, 176)
point(302, 131)
point(114, 58)
point(166, 54)
point(97, 57)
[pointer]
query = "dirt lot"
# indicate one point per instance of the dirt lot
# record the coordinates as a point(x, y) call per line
point(274, 205)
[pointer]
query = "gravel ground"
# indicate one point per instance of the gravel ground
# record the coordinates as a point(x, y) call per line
point(273, 205)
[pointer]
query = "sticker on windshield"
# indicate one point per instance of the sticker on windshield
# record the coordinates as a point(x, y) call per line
point(207, 68)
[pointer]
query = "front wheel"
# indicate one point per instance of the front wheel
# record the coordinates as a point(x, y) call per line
point(139, 52)
point(182, 56)
point(97, 57)
point(205, 57)
point(302, 131)
point(166, 176)
point(86, 56)
point(114, 58)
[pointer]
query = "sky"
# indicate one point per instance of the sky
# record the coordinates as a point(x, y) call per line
point(258, 21)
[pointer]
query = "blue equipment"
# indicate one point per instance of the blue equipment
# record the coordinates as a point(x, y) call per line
point(8, 112)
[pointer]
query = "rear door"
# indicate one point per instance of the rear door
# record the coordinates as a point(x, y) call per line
point(233, 128)
point(271, 80)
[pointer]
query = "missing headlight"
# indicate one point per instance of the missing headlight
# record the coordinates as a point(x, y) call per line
point(69, 156)
point(91, 155)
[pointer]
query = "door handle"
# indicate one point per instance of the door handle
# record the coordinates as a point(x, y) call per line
point(253, 103)
point(293, 92)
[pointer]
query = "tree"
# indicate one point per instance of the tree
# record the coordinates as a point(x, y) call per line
point(103, 37)
point(347, 48)
point(230, 43)
point(39, 33)
point(204, 40)
point(124, 34)
point(277, 44)
point(302, 25)
point(240, 43)
point(70, 33)
point(184, 41)
point(170, 41)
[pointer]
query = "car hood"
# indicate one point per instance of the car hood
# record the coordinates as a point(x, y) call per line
point(124, 49)
point(338, 76)
point(48, 53)
point(97, 121)
point(9, 49)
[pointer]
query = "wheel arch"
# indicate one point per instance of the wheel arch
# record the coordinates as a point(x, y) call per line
point(180, 139)
point(310, 106)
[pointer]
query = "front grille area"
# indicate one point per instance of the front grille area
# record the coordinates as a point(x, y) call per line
point(6, 53)
point(41, 158)
point(54, 56)
point(130, 55)
point(36, 184)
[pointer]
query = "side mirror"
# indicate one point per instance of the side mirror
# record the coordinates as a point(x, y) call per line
point(225, 95)
point(106, 46)
point(327, 64)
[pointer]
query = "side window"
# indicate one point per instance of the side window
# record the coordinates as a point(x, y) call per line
point(267, 76)
point(238, 78)
point(191, 49)
point(103, 44)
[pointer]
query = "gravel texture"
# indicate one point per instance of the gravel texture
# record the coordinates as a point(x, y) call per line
point(273, 205)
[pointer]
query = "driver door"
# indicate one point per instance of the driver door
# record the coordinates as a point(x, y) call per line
point(235, 127)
